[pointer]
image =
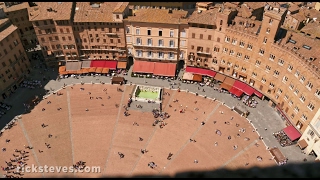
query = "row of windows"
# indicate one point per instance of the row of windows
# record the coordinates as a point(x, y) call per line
point(150, 42)
point(309, 84)
point(159, 33)
point(56, 38)
point(15, 43)
point(193, 35)
point(9, 76)
point(150, 54)
point(95, 23)
point(302, 98)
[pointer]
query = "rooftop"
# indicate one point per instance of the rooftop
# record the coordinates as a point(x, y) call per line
point(160, 16)
point(293, 7)
point(207, 17)
point(51, 10)
point(245, 11)
point(15, 7)
point(121, 6)
point(245, 24)
point(304, 45)
point(254, 5)
point(229, 5)
point(6, 32)
point(3, 21)
point(312, 28)
point(304, 13)
point(103, 13)
point(204, 4)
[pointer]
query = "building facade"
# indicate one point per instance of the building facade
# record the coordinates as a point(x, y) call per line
point(99, 31)
point(18, 14)
point(53, 26)
point(309, 140)
point(155, 35)
point(14, 63)
point(206, 33)
point(277, 62)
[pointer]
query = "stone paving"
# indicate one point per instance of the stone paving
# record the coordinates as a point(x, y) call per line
point(114, 128)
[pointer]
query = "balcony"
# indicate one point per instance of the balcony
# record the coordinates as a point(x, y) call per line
point(205, 53)
point(111, 34)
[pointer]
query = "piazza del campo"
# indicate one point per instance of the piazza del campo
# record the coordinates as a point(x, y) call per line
point(158, 89)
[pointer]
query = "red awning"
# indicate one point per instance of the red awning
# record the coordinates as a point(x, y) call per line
point(204, 72)
point(211, 73)
point(236, 91)
point(249, 90)
point(164, 69)
point(111, 64)
point(292, 133)
point(257, 93)
point(239, 85)
point(97, 63)
point(143, 67)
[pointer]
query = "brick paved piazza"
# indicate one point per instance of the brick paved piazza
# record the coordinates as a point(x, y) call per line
point(97, 135)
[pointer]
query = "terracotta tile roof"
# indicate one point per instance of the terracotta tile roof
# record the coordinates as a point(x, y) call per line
point(312, 28)
point(17, 7)
point(293, 7)
point(253, 29)
point(159, 16)
point(313, 13)
point(255, 5)
point(301, 40)
point(244, 11)
point(300, 16)
point(86, 13)
point(303, 13)
point(7, 32)
point(204, 3)
point(121, 6)
point(230, 5)
point(61, 11)
point(207, 17)
point(3, 21)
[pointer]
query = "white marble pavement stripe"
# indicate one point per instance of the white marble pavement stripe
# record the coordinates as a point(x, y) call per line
point(29, 143)
point(114, 129)
point(240, 152)
point(70, 126)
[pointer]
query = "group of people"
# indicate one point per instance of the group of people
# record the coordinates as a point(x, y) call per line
point(282, 138)
point(80, 165)
point(16, 164)
point(249, 101)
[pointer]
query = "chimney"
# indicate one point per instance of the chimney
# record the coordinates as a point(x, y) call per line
point(170, 11)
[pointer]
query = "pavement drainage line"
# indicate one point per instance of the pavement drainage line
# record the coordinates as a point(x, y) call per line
point(27, 137)
point(239, 153)
point(183, 146)
point(114, 129)
point(151, 136)
point(70, 126)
